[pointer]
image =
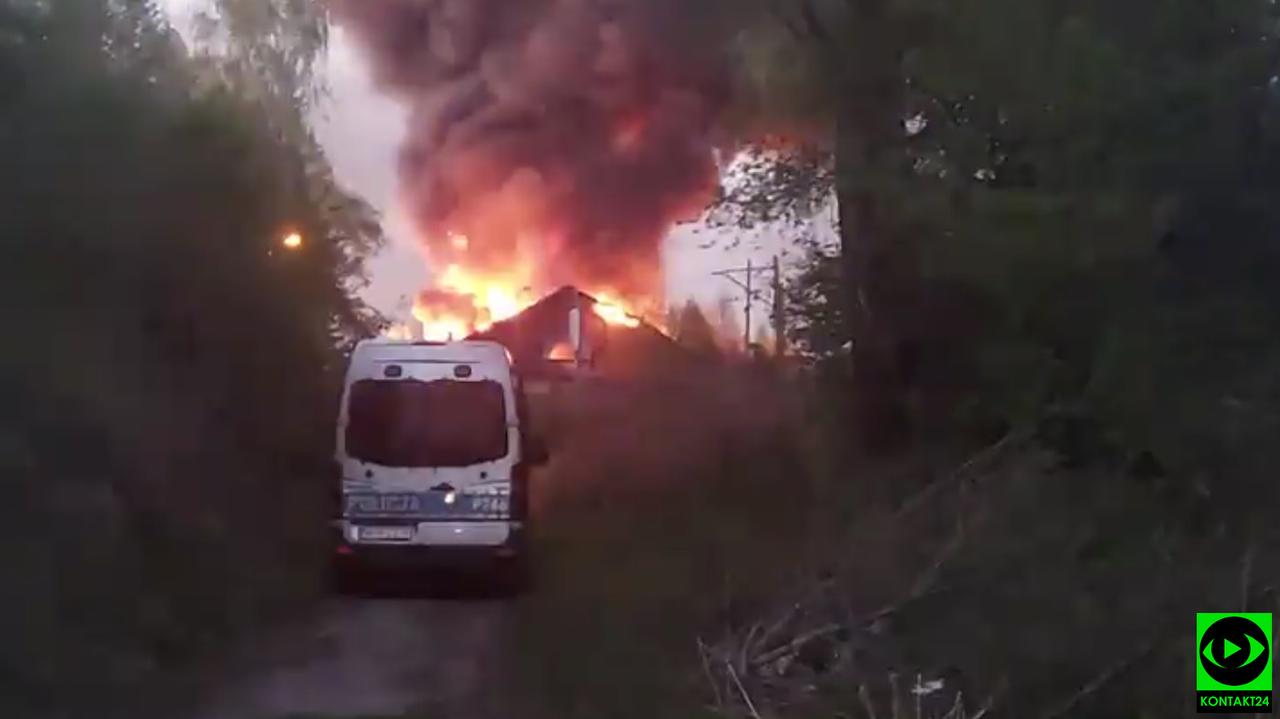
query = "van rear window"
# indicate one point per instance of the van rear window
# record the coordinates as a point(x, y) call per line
point(441, 423)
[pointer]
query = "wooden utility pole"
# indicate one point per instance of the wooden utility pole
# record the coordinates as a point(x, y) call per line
point(779, 312)
point(746, 330)
point(751, 294)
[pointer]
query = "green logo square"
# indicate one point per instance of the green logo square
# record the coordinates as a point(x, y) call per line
point(1233, 652)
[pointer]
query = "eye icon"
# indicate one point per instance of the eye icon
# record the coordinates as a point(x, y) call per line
point(1234, 651)
point(1231, 652)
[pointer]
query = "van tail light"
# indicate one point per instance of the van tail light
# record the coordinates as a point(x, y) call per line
point(338, 539)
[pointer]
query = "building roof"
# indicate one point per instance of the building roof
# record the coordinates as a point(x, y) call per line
point(616, 350)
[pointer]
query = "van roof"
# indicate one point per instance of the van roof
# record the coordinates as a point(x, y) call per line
point(466, 351)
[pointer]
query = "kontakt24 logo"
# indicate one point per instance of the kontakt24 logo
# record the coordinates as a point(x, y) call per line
point(1233, 663)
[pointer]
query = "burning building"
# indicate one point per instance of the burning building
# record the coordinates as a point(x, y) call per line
point(570, 333)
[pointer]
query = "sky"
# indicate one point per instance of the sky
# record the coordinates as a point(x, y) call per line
point(361, 130)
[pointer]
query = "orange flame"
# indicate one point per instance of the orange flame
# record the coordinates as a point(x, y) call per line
point(614, 312)
point(468, 302)
point(465, 303)
point(467, 299)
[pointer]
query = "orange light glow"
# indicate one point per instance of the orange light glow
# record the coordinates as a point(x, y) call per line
point(292, 241)
point(561, 352)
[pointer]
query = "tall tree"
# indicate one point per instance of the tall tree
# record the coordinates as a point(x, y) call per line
point(694, 332)
point(848, 108)
point(269, 51)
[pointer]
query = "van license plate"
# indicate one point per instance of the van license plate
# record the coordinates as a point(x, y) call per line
point(386, 534)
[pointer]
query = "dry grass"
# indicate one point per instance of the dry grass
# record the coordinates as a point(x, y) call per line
point(698, 559)
point(667, 506)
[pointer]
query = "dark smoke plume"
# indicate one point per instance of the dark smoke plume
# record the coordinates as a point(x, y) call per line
point(572, 133)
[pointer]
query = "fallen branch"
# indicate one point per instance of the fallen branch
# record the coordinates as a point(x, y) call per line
point(957, 708)
point(983, 455)
point(771, 634)
point(745, 649)
point(796, 644)
point(991, 699)
point(746, 698)
point(1099, 681)
point(925, 581)
point(929, 576)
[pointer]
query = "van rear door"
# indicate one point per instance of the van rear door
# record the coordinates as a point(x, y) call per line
point(409, 423)
point(429, 441)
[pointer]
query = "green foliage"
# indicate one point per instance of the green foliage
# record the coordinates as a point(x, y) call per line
point(815, 306)
point(170, 370)
point(266, 53)
point(1079, 228)
point(1093, 182)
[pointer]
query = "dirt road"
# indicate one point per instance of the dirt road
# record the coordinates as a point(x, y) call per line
point(369, 656)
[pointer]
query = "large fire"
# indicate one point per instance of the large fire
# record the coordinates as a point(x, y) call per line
point(465, 301)
point(547, 144)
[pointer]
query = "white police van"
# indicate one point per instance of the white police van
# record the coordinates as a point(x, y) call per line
point(434, 452)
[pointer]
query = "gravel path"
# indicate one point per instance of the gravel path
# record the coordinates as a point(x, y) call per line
point(362, 657)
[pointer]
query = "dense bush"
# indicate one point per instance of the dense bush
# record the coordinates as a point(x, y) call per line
point(169, 374)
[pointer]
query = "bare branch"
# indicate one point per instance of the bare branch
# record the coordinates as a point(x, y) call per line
point(895, 698)
point(978, 459)
point(991, 699)
point(746, 698)
point(957, 708)
point(795, 645)
point(744, 650)
point(925, 581)
point(864, 696)
point(706, 668)
point(776, 628)
point(1102, 679)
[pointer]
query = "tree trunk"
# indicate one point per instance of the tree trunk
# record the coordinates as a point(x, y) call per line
point(869, 141)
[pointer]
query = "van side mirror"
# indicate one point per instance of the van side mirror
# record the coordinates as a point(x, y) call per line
point(536, 452)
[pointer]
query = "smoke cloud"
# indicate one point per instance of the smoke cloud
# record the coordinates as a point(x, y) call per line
point(562, 135)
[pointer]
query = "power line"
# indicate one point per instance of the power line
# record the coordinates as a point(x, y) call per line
point(747, 286)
